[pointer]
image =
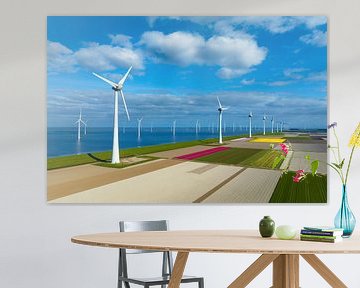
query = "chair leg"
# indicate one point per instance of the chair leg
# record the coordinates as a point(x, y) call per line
point(201, 283)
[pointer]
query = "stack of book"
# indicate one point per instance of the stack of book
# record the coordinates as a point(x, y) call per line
point(321, 234)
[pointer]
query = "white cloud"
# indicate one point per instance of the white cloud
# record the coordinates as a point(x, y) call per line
point(280, 83)
point(60, 58)
point(247, 81)
point(273, 24)
point(107, 58)
point(294, 73)
point(121, 40)
point(317, 76)
point(94, 57)
point(236, 55)
point(229, 73)
point(179, 48)
point(316, 38)
point(313, 21)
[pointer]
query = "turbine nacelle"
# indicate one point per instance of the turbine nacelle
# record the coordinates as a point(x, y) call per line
point(117, 87)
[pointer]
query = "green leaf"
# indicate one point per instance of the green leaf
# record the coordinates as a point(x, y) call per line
point(277, 161)
point(342, 164)
point(314, 167)
point(336, 165)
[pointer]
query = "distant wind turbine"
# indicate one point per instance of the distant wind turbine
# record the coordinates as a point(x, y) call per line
point(85, 127)
point(197, 127)
point(116, 87)
point(272, 124)
point(221, 109)
point(264, 123)
point(281, 126)
point(139, 127)
point(174, 128)
point(277, 127)
point(79, 122)
point(250, 117)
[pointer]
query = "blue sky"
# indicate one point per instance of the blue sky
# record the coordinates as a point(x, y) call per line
point(272, 65)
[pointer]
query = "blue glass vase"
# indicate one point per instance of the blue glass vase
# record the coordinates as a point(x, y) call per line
point(345, 219)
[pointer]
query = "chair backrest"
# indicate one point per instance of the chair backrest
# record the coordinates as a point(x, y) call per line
point(134, 226)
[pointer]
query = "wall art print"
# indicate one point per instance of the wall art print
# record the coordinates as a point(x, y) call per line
point(186, 110)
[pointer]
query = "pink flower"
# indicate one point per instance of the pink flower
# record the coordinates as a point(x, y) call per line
point(284, 148)
point(300, 175)
point(300, 172)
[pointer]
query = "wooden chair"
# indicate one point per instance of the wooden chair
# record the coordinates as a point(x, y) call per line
point(167, 262)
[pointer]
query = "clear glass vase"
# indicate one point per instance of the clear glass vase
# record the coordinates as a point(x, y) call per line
point(345, 219)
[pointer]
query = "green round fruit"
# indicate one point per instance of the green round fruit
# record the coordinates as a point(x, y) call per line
point(285, 232)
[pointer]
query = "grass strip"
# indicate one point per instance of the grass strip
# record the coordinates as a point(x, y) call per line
point(313, 189)
point(263, 159)
point(104, 157)
point(233, 156)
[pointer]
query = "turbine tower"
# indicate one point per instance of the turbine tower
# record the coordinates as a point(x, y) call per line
point(85, 127)
point(116, 87)
point(197, 127)
point(221, 109)
point(264, 123)
point(272, 124)
point(79, 122)
point(250, 117)
point(277, 127)
point(139, 127)
point(281, 126)
point(174, 128)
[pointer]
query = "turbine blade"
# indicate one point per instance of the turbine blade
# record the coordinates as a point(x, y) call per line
point(219, 102)
point(225, 108)
point(106, 80)
point(127, 112)
point(121, 82)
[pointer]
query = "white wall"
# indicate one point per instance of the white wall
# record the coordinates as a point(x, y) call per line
point(35, 248)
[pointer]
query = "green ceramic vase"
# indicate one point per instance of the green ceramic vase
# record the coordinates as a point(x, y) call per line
point(267, 227)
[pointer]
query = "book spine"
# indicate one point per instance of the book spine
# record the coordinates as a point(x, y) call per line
point(319, 233)
point(317, 239)
point(319, 236)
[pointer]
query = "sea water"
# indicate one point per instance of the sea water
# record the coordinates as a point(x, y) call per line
point(63, 141)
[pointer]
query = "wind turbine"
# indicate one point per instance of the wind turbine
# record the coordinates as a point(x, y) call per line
point(272, 124)
point(117, 87)
point(277, 127)
point(174, 128)
point(250, 117)
point(79, 122)
point(264, 123)
point(197, 127)
point(85, 127)
point(221, 109)
point(281, 126)
point(139, 127)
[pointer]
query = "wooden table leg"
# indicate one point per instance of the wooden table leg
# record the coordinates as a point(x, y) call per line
point(286, 271)
point(324, 271)
point(178, 269)
point(253, 270)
